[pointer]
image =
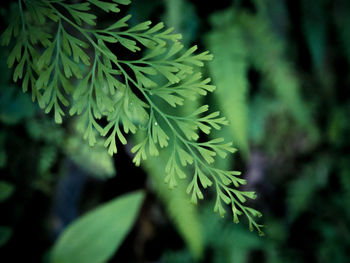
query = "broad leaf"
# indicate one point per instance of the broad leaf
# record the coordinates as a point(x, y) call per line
point(97, 235)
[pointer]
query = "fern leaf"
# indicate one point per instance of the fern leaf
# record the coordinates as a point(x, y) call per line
point(125, 93)
point(229, 71)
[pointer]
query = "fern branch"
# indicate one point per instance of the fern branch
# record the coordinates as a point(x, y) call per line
point(107, 89)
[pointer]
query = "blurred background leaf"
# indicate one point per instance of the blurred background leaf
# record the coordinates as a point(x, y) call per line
point(94, 160)
point(6, 190)
point(183, 214)
point(229, 70)
point(5, 235)
point(95, 236)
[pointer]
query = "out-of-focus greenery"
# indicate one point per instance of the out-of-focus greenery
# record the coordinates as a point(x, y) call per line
point(95, 236)
point(282, 74)
point(282, 70)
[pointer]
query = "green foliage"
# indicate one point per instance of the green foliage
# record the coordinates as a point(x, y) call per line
point(95, 161)
point(5, 235)
point(55, 43)
point(341, 19)
point(267, 54)
point(181, 15)
point(177, 257)
point(229, 70)
point(10, 110)
point(344, 178)
point(229, 251)
point(47, 158)
point(44, 129)
point(281, 68)
point(14, 105)
point(302, 189)
point(95, 236)
point(314, 28)
point(239, 42)
point(181, 211)
point(220, 238)
point(260, 111)
point(6, 190)
point(3, 155)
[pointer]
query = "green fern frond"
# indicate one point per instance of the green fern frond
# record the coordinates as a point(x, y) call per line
point(229, 71)
point(268, 55)
point(68, 46)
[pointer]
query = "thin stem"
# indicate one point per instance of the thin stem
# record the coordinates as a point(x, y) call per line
point(80, 29)
point(22, 16)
